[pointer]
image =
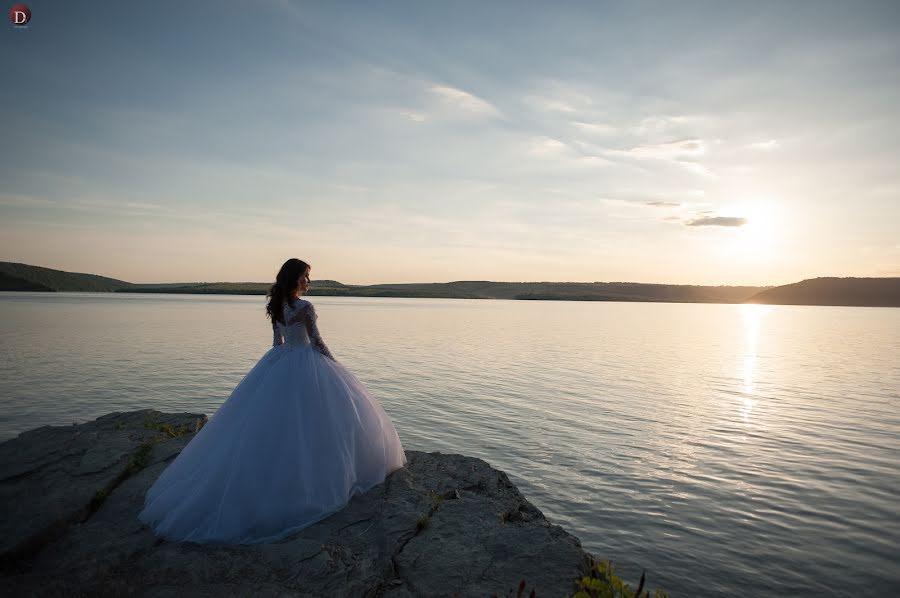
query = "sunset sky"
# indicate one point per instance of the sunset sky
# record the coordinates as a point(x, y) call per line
point(675, 142)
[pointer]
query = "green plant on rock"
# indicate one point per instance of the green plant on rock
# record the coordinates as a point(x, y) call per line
point(151, 421)
point(423, 522)
point(436, 499)
point(167, 430)
point(171, 431)
point(602, 582)
point(98, 498)
point(140, 459)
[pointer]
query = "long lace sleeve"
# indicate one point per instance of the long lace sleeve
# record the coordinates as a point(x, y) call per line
point(312, 329)
point(277, 339)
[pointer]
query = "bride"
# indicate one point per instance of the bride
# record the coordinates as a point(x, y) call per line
point(298, 437)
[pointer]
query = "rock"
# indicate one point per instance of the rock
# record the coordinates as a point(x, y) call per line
point(444, 525)
point(49, 476)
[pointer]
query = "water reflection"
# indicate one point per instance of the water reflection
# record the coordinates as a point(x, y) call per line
point(753, 316)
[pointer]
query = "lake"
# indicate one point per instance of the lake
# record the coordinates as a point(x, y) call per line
point(726, 449)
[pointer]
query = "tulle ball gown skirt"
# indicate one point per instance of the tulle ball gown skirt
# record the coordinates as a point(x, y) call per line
point(297, 438)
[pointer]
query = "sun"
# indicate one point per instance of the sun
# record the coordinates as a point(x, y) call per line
point(757, 239)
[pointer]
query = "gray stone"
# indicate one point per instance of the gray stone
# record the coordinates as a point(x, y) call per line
point(444, 525)
point(50, 476)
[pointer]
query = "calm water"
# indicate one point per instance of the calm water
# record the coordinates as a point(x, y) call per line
point(739, 450)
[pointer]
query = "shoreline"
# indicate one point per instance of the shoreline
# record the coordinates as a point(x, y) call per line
point(413, 296)
point(831, 290)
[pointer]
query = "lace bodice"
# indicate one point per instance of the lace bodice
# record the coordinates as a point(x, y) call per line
point(299, 328)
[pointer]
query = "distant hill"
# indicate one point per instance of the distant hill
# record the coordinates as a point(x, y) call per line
point(14, 283)
point(560, 291)
point(227, 288)
point(482, 289)
point(876, 292)
point(22, 277)
point(200, 288)
point(861, 292)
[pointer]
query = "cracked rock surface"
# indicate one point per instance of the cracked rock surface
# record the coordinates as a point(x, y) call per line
point(444, 525)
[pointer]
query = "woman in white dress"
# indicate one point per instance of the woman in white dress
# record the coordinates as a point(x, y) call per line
point(297, 438)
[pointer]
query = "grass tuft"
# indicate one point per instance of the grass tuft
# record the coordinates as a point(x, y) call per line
point(602, 582)
point(140, 459)
point(423, 522)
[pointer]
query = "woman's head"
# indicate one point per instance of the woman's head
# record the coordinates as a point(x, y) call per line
point(292, 281)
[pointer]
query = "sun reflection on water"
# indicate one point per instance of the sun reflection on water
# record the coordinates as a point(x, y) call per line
point(753, 316)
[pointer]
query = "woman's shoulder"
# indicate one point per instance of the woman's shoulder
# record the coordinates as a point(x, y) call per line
point(297, 305)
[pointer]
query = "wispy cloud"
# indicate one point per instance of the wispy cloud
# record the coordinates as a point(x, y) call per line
point(683, 153)
point(415, 116)
point(664, 204)
point(672, 150)
point(546, 146)
point(22, 200)
point(84, 204)
point(560, 97)
point(666, 123)
point(560, 154)
point(463, 101)
point(697, 169)
point(595, 128)
point(764, 145)
point(730, 221)
point(551, 104)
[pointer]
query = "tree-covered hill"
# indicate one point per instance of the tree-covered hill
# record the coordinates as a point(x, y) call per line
point(14, 283)
point(22, 277)
point(863, 292)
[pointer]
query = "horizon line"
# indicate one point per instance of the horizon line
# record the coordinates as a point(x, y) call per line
point(457, 281)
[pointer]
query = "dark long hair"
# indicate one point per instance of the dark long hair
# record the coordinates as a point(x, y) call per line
point(284, 287)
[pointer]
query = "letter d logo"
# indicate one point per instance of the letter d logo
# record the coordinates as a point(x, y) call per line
point(19, 15)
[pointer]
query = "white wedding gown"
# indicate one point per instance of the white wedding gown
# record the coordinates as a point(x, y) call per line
point(295, 440)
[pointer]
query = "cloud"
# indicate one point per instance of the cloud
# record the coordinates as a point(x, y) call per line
point(671, 150)
point(660, 123)
point(717, 221)
point(550, 149)
point(463, 100)
point(764, 145)
point(415, 116)
point(684, 153)
point(594, 128)
point(592, 161)
point(664, 204)
point(559, 97)
point(546, 146)
point(78, 203)
point(696, 168)
point(551, 104)
point(23, 200)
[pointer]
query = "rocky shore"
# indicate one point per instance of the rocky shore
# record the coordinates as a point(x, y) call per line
point(445, 525)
